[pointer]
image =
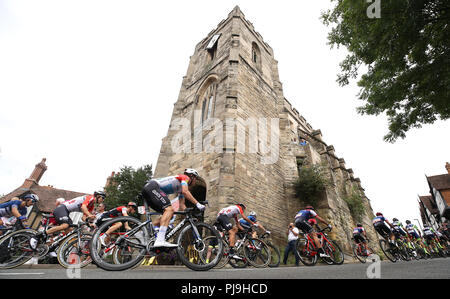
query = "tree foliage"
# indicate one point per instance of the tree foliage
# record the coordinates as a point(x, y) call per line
point(127, 186)
point(311, 183)
point(355, 204)
point(407, 55)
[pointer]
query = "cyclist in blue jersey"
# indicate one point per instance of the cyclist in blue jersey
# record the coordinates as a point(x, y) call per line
point(360, 236)
point(302, 222)
point(16, 209)
point(248, 226)
point(155, 194)
point(379, 223)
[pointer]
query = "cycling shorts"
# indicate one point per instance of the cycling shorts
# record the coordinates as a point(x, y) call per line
point(224, 222)
point(155, 197)
point(382, 229)
point(359, 238)
point(61, 214)
point(303, 225)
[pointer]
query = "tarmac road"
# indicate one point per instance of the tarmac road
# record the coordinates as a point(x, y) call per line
point(426, 269)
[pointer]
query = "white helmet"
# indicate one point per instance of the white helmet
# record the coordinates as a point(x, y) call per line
point(252, 213)
point(191, 171)
point(60, 200)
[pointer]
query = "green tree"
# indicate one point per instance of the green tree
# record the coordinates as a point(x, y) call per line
point(407, 54)
point(311, 183)
point(127, 185)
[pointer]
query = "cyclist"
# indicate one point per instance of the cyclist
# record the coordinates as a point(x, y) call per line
point(247, 226)
point(379, 223)
point(84, 204)
point(307, 227)
point(16, 209)
point(414, 234)
point(130, 208)
point(360, 236)
point(223, 221)
point(431, 237)
point(399, 231)
point(155, 193)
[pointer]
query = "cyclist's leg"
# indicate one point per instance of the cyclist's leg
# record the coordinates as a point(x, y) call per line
point(159, 202)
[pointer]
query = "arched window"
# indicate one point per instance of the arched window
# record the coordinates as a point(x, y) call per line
point(256, 55)
point(208, 102)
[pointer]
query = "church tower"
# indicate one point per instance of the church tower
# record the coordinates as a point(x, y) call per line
point(232, 123)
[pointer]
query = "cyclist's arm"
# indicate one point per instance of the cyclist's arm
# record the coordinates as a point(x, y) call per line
point(238, 224)
point(86, 212)
point(321, 220)
point(15, 212)
point(187, 194)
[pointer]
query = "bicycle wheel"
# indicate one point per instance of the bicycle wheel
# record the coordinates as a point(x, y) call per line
point(257, 253)
point(239, 263)
point(357, 251)
point(335, 252)
point(75, 254)
point(275, 256)
point(191, 246)
point(306, 252)
point(16, 249)
point(225, 256)
point(385, 247)
point(124, 250)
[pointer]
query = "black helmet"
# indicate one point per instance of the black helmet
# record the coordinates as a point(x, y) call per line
point(395, 219)
point(408, 222)
point(99, 193)
point(309, 207)
point(359, 225)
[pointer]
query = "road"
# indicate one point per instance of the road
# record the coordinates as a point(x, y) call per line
point(427, 269)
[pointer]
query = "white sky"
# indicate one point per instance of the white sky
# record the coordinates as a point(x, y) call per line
point(90, 85)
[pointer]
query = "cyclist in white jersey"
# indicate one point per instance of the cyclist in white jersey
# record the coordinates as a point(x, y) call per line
point(155, 194)
point(223, 220)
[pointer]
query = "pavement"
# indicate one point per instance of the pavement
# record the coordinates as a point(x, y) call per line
point(425, 269)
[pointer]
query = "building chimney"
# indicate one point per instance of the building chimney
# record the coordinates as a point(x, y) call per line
point(36, 175)
point(447, 166)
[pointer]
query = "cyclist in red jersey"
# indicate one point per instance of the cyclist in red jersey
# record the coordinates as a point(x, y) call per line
point(84, 204)
point(130, 208)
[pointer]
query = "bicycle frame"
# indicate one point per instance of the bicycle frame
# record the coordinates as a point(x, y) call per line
point(323, 239)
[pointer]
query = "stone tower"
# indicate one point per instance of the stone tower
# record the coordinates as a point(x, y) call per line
point(232, 123)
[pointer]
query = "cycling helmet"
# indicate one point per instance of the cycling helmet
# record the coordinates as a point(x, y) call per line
point(101, 193)
point(242, 205)
point(309, 208)
point(395, 219)
point(133, 204)
point(191, 171)
point(252, 213)
point(359, 225)
point(408, 222)
point(379, 214)
point(34, 198)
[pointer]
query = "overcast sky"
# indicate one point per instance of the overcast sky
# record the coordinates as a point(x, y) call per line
point(90, 85)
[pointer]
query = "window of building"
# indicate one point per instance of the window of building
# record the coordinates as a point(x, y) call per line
point(256, 55)
point(212, 46)
point(208, 102)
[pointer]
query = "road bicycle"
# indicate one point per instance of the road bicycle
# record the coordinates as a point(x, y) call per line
point(19, 250)
point(126, 249)
point(247, 251)
point(392, 251)
point(361, 252)
point(308, 251)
